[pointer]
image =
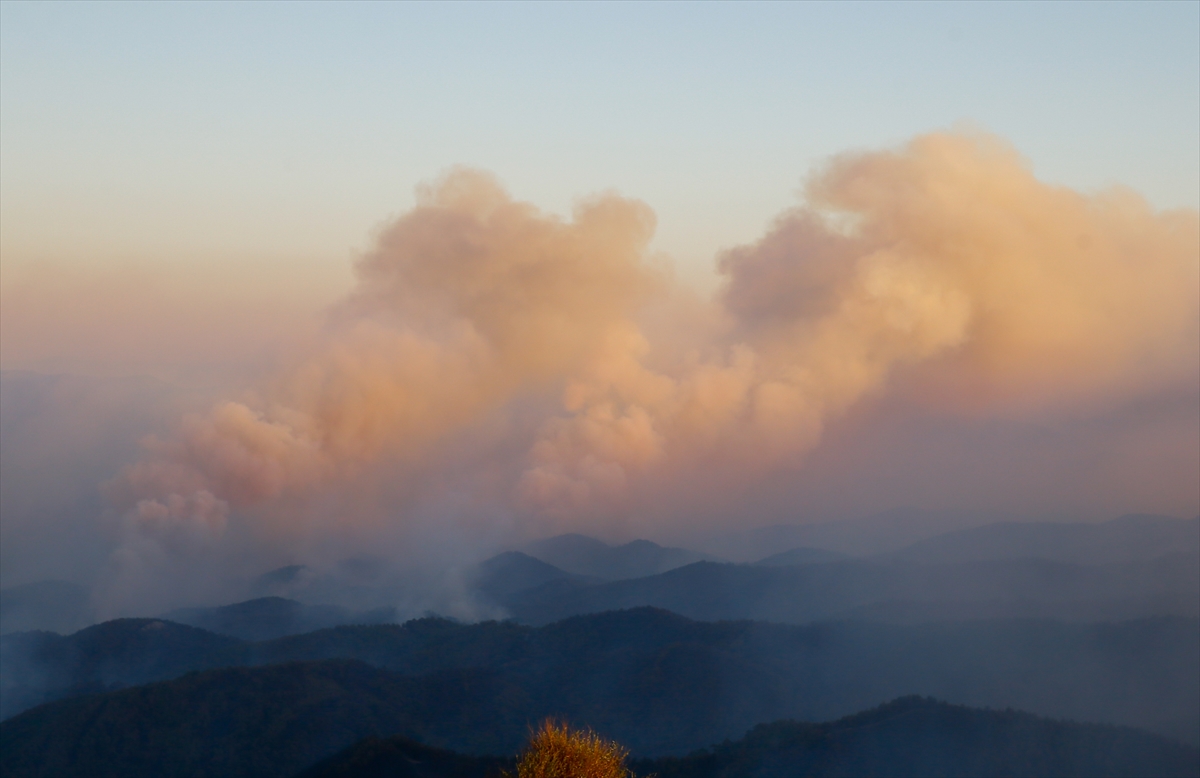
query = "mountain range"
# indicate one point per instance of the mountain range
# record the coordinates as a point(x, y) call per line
point(1095, 623)
point(281, 719)
point(666, 684)
point(884, 590)
point(585, 556)
point(1130, 567)
point(265, 618)
point(906, 737)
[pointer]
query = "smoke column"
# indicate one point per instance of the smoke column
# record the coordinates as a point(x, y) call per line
point(993, 292)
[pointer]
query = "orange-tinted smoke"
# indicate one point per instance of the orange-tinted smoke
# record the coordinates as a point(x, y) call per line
point(994, 292)
point(466, 301)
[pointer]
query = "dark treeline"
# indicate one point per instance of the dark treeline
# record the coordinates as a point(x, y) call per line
point(655, 681)
point(909, 736)
point(300, 718)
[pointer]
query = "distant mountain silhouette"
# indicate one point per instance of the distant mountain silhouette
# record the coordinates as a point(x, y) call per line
point(994, 572)
point(661, 683)
point(886, 589)
point(57, 606)
point(582, 555)
point(801, 556)
point(272, 617)
point(910, 736)
point(504, 575)
point(36, 667)
point(1133, 538)
point(356, 583)
point(282, 581)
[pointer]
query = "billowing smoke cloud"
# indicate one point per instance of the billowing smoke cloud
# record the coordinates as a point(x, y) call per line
point(944, 263)
point(466, 303)
point(948, 255)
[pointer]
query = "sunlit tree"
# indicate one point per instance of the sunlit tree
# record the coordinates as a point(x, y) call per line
point(557, 751)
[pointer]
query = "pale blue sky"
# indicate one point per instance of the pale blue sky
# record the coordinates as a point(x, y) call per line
point(267, 131)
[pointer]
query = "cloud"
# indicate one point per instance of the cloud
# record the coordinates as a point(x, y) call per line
point(942, 270)
point(945, 260)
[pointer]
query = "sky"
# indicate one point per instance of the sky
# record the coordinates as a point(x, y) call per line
point(254, 132)
point(400, 274)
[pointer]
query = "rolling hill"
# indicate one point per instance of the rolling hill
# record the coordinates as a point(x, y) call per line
point(885, 590)
point(906, 737)
point(265, 618)
point(277, 720)
point(662, 683)
point(582, 555)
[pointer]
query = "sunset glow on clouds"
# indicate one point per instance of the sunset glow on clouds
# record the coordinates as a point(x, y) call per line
point(1022, 298)
point(924, 317)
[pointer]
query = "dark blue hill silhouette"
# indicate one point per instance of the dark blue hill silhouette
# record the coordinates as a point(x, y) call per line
point(911, 736)
point(280, 581)
point(915, 736)
point(276, 720)
point(504, 575)
point(688, 683)
point(586, 556)
point(265, 618)
point(886, 590)
point(36, 667)
point(803, 555)
point(266, 721)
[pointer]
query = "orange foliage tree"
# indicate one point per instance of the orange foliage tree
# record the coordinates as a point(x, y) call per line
point(557, 751)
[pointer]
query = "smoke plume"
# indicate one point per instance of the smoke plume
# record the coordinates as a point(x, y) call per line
point(943, 269)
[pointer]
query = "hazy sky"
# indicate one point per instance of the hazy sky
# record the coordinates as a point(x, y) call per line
point(946, 255)
point(287, 132)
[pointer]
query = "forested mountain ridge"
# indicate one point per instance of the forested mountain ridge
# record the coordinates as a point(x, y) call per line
point(263, 721)
point(914, 736)
point(863, 631)
point(906, 737)
point(700, 681)
point(315, 717)
point(37, 667)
